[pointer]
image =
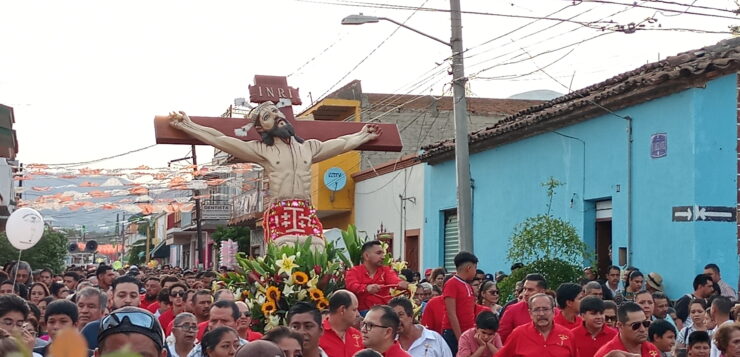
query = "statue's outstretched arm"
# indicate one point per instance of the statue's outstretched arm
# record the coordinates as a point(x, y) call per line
point(213, 137)
point(342, 144)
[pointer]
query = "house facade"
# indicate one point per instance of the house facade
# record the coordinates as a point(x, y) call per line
point(648, 162)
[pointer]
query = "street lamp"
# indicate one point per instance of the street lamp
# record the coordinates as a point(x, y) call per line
point(460, 110)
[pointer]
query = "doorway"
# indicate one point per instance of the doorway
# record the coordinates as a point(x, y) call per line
point(411, 248)
point(603, 237)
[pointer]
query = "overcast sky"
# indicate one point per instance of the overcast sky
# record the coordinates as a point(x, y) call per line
point(86, 78)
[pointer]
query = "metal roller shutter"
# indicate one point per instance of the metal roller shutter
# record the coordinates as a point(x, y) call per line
point(452, 244)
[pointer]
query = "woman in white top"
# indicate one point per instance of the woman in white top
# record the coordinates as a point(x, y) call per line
point(184, 330)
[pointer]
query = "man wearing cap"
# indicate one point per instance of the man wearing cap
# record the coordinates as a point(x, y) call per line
point(654, 282)
point(131, 328)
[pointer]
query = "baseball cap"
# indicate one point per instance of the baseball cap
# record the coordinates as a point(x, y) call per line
point(132, 320)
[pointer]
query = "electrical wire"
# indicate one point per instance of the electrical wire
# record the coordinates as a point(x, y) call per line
point(72, 164)
point(398, 27)
point(608, 2)
point(297, 70)
point(693, 4)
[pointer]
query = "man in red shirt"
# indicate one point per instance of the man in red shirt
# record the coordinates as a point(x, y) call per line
point(371, 281)
point(152, 286)
point(541, 337)
point(569, 300)
point(592, 333)
point(633, 333)
point(459, 300)
point(177, 305)
point(340, 339)
point(433, 314)
point(379, 330)
point(518, 313)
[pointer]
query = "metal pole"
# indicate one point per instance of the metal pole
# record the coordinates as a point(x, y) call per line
point(198, 229)
point(148, 242)
point(460, 111)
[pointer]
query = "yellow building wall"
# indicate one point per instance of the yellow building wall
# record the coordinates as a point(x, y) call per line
point(332, 204)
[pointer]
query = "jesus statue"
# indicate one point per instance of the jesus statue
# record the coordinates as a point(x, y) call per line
point(289, 218)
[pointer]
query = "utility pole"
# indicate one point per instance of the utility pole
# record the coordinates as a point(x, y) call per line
point(460, 111)
point(198, 229)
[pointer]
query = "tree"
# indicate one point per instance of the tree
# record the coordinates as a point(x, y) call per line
point(49, 252)
point(238, 234)
point(547, 245)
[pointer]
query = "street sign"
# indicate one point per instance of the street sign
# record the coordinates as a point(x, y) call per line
point(658, 145)
point(697, 213)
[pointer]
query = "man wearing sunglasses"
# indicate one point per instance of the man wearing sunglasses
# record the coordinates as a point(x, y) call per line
point(131, 328)
point(633, 333)
point(178, 292)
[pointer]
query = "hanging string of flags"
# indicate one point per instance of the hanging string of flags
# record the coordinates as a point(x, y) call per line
point(142, 189)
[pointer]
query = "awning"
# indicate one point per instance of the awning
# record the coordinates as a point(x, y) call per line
point(162, 250)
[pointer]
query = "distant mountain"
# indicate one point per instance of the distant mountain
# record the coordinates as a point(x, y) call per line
point(537, 94)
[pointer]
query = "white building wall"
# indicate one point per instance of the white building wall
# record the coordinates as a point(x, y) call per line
point(377, 200)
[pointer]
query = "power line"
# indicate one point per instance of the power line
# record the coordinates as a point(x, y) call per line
point(369, 54)
point(315, 57)
point(70, 164)
point(693, 4)
point(608, 2)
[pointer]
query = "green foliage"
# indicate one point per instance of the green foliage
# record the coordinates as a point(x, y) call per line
point(49, 252)
point(546, 245)
point(135, 253)
point(546, 237)
point(353, 244)
point(236, 233)
point(556, 271)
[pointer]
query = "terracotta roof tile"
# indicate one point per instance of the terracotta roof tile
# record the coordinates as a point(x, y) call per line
point(648, 82)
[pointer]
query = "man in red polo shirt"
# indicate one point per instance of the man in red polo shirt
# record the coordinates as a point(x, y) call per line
point(593, 333)
point(569, 300)
point(633, 333)
point(541, 337)
point(340, 339)
point(518, 313)
point(371, 281)
point(379, 330)
point(459, 300)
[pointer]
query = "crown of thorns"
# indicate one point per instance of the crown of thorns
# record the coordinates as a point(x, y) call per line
point(256, 114)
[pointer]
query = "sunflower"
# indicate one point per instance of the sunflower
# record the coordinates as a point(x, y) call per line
point(273, 293)
point(300, 277)
point(322, 304)
point(316, 294)
point(268, 307)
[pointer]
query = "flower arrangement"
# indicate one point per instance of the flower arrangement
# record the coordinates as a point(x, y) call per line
point(270, 284)
point(285, 275)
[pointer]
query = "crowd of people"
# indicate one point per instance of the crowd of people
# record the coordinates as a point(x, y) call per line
point(171, 312)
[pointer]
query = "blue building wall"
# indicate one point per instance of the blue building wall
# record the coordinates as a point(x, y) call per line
point(591, 159)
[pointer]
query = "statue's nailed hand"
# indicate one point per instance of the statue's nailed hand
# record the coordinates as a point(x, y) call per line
point(373, 131)
point(178, 119)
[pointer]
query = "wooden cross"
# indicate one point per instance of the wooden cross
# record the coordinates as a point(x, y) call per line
point(276, 89)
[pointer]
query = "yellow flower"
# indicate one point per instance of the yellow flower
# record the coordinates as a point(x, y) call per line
point(287, 264)
point(300, 278)
point(316, 294)
point(322, 304)
point(313, 282)
point(273, 293)
point(268, 307)
point(398, 266)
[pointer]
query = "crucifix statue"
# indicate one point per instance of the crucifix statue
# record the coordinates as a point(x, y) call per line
point(285, 155)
